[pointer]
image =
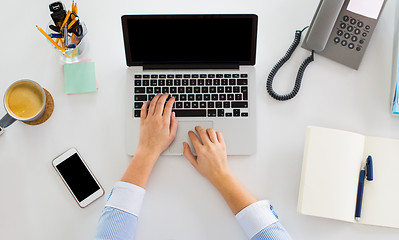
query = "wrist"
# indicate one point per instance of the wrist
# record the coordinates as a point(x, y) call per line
point(221, 179)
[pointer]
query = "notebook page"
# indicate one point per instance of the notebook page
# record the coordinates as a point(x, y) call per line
point(330, 173)
point(381, 196)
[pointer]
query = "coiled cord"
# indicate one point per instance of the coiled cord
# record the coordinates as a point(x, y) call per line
point(281, 62)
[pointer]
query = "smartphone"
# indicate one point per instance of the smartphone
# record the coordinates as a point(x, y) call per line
point(77, 177)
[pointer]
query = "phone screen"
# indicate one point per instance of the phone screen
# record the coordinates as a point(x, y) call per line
point(78, 177)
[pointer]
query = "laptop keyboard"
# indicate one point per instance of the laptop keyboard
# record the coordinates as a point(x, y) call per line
point(197, 95)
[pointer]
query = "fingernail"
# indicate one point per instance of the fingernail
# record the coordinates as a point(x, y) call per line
point(173, 114)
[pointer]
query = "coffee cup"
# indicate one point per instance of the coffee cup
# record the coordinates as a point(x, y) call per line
point(24, 100)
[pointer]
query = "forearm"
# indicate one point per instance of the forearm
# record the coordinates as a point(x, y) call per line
point(233, 191)
point(140, 168)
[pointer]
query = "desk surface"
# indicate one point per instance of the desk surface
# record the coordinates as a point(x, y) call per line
point(180, 204)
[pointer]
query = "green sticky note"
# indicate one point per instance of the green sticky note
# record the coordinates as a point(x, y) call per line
point(80, 77)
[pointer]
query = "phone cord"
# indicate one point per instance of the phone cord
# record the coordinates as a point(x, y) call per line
point(281, 62)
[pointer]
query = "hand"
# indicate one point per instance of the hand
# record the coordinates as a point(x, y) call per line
point(211, 160)
point(157, 126)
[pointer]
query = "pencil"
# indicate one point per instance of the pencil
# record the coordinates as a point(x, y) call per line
point(73, 22)
point(65, 20)
point(50, 39)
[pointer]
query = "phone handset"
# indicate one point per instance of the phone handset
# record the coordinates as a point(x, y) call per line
point(322, 24)
point(316, 39)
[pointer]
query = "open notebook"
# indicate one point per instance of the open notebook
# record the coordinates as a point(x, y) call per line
point(330, 174)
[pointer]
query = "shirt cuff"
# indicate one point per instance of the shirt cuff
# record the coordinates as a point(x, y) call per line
point(255, 217)
point(126, 197)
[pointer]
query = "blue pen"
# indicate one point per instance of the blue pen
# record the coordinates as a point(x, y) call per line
point(369, 168)
point(55, 35)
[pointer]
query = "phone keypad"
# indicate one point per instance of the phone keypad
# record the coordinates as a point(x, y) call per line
point(351, 33)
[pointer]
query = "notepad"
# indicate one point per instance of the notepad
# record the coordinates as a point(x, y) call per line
point(330, 173)
point(80, 77)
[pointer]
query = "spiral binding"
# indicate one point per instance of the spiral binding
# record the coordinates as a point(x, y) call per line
point(281, 62)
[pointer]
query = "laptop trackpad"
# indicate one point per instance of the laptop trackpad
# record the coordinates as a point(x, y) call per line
point(182, 135)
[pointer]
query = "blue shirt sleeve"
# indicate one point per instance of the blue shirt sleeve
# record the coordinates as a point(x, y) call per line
point(120, 215)
point(275, 231)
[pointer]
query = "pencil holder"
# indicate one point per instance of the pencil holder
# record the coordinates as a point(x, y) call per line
point(74, 50)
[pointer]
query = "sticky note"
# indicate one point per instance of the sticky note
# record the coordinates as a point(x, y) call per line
point(80, 77)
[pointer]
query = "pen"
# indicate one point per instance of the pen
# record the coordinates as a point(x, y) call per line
point(55, 35)
point(360, 188)
point(50, 39)
point(367, 170)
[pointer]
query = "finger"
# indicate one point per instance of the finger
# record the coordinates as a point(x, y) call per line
point(220, 138)
point(143, 114)
point(189, 155)
point(168, 107)
point(212, 135)
point(173, 125)
point(153, 104)
point(195, 140)
point(203, 134)
point(160, 104)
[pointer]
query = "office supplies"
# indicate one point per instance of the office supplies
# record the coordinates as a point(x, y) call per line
point(55, 35)
point(209, 72)
point(366, 170)
point(80, 77)
point(66, 20)
point(330, 175)
point(58, 15)
point(340, 30)
point(50, 39)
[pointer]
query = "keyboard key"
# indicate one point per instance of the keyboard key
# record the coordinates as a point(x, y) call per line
point(138, 104)
point(245, 96)
point(194, 75)
point(211, 112)
point(169, 82)
point(194, 104)
point(190, 97)
point(225, 82)
point(236, 112)
point(140, 98)
point(239, 105)
point(146, 76)
point(183, 97)
point(236, 75)
point(211, 75)
point(179, 105)
point(185, 82)
point(176, 96)
point(189, 89)
point(212, 89)
point(190, 113)
point(227, 75)
point(157, 89)
point(150, 90)
point(165, 90)
point(177, 82)
point(220, 89)
point(226, 104)
point(207, 97)
point(244, 114)
point(238, 96)
point(137, 76)
point(180, 89)
point(187, 104)
point(236, 89)
point(244, 89)
point(173, 90)
point(215, 97)
point(219, 75)
point(201, 82)
point(154, 82)
point(139, 90)
point(204, 89)
point(232, 82)
point(198, 97)
point(197, 89)
point(228, 89)
point(211, 104)
point(150, 97)
point(230, 96)
point(222, 97)
point(219, 104)
point(242, 81)
point(202, 75)
point(137, 82)
point(137, 113)
point(216, 82)
point(244, 75)
point(163, 76)
point(154, 76)
point(220, 112)
point(208, 82)
point(229, 114)
point(202, 104)
point(193, 82)
point(178, 76)
point(186, 75)
point(146, 82)
point(171, 76)
point(161, 82)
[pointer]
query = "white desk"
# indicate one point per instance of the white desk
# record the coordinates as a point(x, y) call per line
point(179, 204)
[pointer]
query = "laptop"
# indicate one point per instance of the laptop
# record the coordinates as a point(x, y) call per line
point(205, 62)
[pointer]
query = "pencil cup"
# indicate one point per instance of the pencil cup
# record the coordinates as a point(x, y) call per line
point(77, 47)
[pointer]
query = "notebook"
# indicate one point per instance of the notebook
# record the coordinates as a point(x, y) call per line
point(206, 63)
point(330, 174)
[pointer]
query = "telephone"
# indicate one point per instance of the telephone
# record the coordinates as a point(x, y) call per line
point(340, 30)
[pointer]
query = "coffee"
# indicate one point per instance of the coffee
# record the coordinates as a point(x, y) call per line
point(24, 99)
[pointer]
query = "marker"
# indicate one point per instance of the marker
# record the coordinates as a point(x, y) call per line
point(50, 39)
point(55, 35)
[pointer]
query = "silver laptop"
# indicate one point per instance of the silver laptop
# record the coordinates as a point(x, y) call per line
point(206, 63)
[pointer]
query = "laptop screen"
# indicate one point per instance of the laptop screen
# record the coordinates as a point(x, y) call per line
point(190, 39)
